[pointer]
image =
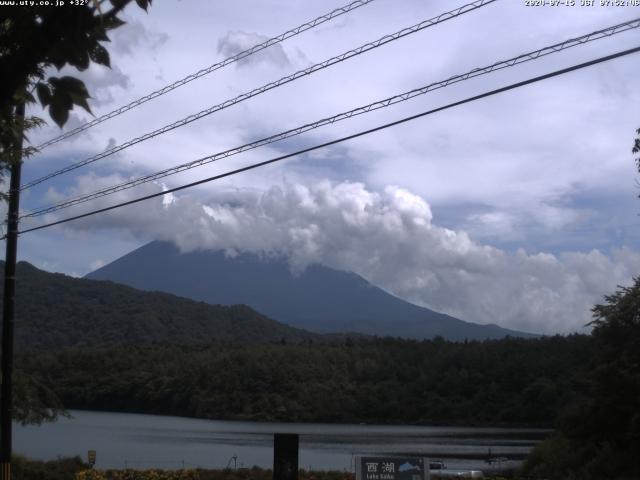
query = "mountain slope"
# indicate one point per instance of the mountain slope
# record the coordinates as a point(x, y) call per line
point(320, 299)
point(55, 311)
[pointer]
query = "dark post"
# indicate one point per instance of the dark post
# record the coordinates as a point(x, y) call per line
point(8, 312)
point(285, 456)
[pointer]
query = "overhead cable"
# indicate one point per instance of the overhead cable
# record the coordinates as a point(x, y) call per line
point(212, 68)
point(269, 86)
point(343, 139)
point(526, 57)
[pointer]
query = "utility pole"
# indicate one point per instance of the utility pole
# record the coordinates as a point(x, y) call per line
point(285, 456)
point(9, 299)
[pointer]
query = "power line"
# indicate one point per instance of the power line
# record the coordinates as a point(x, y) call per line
point(212, 68)
point(341, 116)
point(343, 139)
point(269, 86)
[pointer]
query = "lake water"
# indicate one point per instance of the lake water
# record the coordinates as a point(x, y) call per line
point(150, 441)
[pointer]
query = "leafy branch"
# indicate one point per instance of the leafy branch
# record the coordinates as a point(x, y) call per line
point(34, 40)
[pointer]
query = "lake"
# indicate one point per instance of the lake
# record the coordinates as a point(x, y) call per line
point(151, 441)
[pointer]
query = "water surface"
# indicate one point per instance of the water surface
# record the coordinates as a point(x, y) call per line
point(146, 441)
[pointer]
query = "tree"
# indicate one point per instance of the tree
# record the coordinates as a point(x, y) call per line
point(636, 148)
point(615, 409)
point(35, 402)
point(599, 437)
point(33, 39)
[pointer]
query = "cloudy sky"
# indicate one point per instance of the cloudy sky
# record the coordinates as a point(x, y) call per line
point(519, 209)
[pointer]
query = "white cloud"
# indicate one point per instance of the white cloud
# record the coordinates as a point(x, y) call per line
point(96, 264)
point(390, 238)
point(135, 34)
point(235, 42)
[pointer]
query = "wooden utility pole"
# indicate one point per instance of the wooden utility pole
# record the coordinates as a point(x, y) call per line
point(9, 299)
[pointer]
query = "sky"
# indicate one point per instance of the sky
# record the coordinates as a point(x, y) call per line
point(520, 209)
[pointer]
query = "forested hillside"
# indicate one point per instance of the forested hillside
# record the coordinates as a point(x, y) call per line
point(56, 311)
point(501, 382)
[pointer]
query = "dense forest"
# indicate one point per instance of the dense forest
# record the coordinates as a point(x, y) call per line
point(55, 311)
point(498, 382)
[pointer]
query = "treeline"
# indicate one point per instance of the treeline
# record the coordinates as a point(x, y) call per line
point(55, 311)
point(499, 382)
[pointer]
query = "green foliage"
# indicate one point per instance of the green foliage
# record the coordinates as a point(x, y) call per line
point(39, 37)
point(636, 148)
point(57, 311)
point(74, 469)
point(554, 459)
point(33, 401)
point(599, 436)
point(153, 474)
point(373, 381)
point(36, 38)
point(61, 94)
point(60, 469)
point(254, 473)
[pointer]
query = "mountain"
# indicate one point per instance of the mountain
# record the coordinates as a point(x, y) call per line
point(54, 311)
point(320, 299)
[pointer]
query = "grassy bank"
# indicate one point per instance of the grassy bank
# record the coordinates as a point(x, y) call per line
point(60, 469)
point(254, 473)
point(76, 469)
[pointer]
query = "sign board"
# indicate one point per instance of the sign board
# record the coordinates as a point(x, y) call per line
point(392, 468)
point(92, 457)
